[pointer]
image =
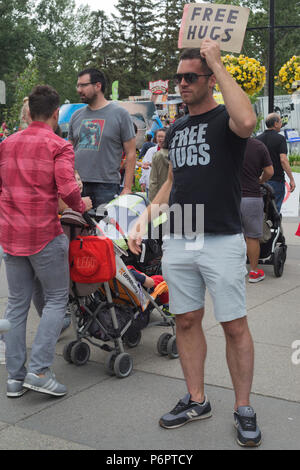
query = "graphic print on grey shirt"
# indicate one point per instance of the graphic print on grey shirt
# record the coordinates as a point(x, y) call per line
point(98, 137)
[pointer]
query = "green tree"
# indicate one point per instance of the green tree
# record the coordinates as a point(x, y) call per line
point(136, 41)
point(58, 47)
point(15, 39)
point(24, 84)
point(100, 48)
point(165, 57)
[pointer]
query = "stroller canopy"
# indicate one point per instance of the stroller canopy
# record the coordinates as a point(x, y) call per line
point(122, 213)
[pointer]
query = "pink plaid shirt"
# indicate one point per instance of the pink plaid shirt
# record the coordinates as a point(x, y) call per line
point(35, 166)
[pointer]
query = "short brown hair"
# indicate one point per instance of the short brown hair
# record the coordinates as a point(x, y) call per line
point(192, 53)
point(43, 101)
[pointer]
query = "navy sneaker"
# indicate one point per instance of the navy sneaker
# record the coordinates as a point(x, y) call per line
point(248, 432)
point(184, 412)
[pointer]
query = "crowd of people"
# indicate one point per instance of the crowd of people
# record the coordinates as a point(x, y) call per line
point(197, 161)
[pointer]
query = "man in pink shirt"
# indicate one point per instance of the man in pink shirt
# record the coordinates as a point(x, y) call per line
point(36, 167)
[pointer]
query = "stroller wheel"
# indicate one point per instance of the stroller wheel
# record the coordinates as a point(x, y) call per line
point(67, 351)
point(162, 344)
point(279, 260)
point(172, 348)
point(132, 337)
point(80, 354)
point(109, 363)
point(123, 365)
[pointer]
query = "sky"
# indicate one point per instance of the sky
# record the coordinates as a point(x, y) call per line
point(106, 5)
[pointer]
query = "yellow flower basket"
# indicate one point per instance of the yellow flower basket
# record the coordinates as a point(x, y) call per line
point(247, 72)
point(289, 73)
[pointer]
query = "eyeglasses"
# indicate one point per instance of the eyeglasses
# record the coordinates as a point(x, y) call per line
point(189, 77)
point(83, 85)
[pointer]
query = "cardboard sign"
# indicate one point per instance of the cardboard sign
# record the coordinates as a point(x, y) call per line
point(225, 24)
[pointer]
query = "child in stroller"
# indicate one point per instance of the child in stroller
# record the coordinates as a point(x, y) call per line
point(114, 311)
point(120, 214)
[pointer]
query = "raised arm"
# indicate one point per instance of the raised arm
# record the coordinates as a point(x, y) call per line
point(242, 116)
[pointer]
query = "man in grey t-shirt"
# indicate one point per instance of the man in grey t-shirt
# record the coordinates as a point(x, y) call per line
point(100, 133)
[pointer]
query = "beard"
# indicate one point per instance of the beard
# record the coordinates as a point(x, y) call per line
point(88, 99)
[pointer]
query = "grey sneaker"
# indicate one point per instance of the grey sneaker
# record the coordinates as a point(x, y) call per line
point(47, 384)
point(248, 432)
point(184, 412)
point(15, 388)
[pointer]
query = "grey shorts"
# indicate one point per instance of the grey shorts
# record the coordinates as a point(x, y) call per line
point(252, 211)
point(219, 265)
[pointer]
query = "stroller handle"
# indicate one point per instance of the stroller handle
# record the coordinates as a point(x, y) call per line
point(92, 223)
point(89, 220)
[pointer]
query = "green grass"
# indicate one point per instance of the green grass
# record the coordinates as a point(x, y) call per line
point(295, 169)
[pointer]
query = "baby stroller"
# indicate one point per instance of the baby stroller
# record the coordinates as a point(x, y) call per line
point(120, 215)
point(112, 313)
point(273, 249)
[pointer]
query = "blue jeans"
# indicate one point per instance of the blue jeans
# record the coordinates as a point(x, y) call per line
point(279, 190)
point(52, 268)
point(100, 193)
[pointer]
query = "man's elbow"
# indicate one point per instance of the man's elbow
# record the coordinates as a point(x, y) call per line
point(269, 172)
point(245, 127)
point(249, 125)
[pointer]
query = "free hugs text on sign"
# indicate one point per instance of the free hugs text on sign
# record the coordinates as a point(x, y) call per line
point(223, 23)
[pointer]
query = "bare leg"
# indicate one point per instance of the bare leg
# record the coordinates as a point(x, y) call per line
point(253, 252)
point(240, 358)
point(192, 350)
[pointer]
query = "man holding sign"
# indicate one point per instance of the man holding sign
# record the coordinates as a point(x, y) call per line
point(206, 151)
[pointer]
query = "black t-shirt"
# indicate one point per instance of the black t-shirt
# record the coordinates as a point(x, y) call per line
point(207, 158)
point(276, 144)
point(256, 158)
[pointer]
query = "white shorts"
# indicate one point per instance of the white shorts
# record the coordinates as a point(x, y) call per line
point(218, 264)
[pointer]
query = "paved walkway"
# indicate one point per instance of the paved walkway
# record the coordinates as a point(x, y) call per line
point(102, 412)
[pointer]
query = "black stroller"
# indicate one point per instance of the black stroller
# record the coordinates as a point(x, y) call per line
point(273, 249)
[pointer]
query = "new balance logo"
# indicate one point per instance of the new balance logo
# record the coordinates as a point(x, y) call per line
point(192, 414)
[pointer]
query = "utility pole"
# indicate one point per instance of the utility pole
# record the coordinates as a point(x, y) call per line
point(271, 54)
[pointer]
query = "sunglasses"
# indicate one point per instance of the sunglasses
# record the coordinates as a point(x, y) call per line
point(189, 77)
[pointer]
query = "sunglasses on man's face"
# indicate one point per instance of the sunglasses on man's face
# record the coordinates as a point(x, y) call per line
point(189, 77)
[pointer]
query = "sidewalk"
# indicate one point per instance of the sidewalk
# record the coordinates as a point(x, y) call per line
point(102, 412)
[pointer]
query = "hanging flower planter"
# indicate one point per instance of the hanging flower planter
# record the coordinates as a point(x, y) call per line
point(247, 72)
point(288, 74)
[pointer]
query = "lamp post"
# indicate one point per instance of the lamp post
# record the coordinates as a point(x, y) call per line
point(271, 54)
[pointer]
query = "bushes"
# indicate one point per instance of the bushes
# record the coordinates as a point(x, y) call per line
point(294, 159)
